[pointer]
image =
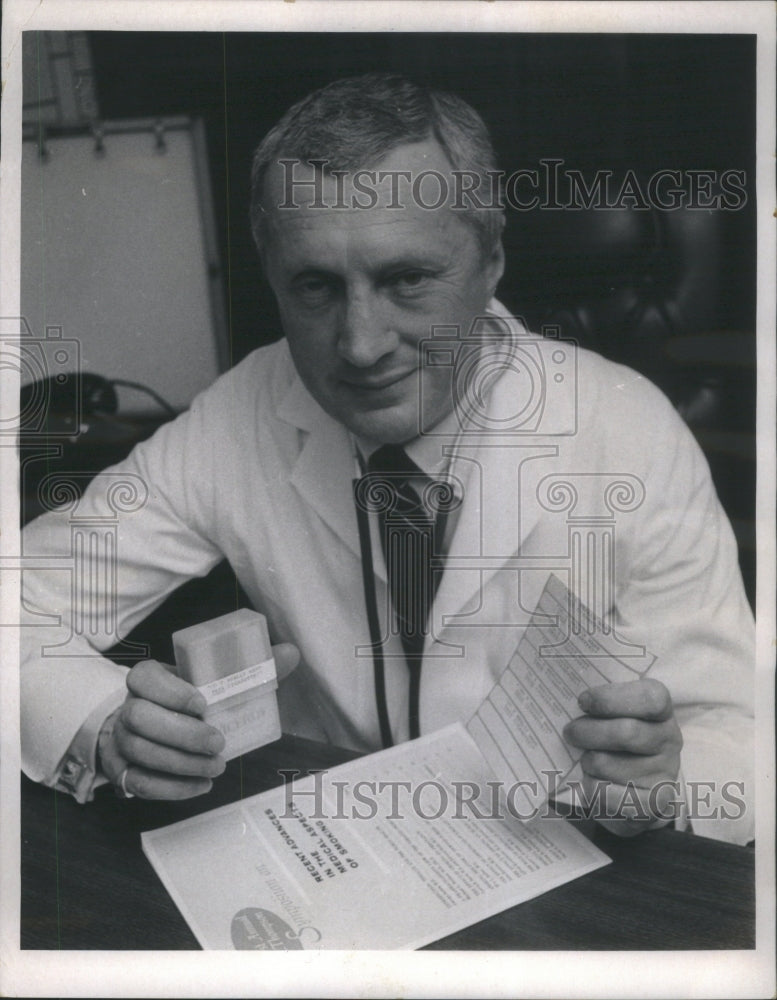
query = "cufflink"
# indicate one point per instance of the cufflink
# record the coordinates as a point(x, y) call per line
point(71, 773)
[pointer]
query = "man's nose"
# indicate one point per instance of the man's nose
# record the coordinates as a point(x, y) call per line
point(365, 334)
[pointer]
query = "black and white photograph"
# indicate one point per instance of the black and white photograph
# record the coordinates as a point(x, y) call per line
point(388, 481)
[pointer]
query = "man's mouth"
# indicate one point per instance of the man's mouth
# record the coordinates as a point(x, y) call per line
point(376, 383)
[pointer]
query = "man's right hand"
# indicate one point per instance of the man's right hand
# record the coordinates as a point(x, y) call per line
point(159, 737)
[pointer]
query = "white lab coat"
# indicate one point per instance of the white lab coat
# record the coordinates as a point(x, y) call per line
point(257, 472)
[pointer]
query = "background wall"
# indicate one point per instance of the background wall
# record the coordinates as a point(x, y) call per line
point(597, 101)
point(114, 251)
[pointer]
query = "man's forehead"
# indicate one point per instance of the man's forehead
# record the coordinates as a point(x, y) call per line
point(412, 175)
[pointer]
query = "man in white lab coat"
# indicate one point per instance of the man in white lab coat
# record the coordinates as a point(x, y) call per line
point(385, 277)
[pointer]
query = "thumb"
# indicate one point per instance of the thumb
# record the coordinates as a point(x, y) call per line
point(286, 658)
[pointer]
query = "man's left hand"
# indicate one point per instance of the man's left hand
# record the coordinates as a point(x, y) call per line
point(632, 744)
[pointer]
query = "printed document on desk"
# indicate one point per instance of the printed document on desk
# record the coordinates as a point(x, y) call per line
point(393, 850)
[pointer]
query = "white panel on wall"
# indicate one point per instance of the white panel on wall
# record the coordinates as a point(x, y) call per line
point(117, 251)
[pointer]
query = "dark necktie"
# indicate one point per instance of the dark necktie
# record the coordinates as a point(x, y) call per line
point(410, 534)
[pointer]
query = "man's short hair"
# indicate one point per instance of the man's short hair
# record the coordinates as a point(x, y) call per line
point(353, 123)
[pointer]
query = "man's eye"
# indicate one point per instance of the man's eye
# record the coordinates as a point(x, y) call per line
point(409, 281)
point(313, 290)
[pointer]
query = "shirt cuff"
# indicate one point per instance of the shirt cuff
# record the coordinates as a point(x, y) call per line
point(78, 773)
point(681, 820)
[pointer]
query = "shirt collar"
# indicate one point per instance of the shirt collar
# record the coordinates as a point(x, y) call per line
point(430, 452)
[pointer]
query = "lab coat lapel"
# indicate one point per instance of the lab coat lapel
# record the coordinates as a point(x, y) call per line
point(324, 471)
point(500, 507)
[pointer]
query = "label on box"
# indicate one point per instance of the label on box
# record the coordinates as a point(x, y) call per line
point(242, 680)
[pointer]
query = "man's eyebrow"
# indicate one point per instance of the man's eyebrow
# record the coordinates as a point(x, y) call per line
point(314, 271)
point(421, 260)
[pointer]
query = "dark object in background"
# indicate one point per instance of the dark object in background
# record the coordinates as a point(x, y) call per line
point(70, 423)
point(64, 400)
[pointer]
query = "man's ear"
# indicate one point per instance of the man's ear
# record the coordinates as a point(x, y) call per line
point(495, 266)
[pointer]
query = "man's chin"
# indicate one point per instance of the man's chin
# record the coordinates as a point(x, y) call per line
point(391, 425)
point(384, 431)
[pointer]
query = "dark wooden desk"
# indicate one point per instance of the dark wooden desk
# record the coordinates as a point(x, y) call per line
point(86, 883)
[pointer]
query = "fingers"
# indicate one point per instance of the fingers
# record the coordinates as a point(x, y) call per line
point(111, 761)
point(158, 739)
point(154, 769)
point(643, 699)
point(145, 784)
point(624, 768)
point(134, 780)
point(631, 743)
point(157, 683)
point(627, 749)
point(141, 751)
point(629, 735)
point(172, 729)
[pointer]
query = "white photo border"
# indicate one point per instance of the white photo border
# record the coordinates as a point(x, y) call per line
point(370, 974)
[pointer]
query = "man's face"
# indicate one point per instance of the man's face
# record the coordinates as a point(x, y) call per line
point(359, 289)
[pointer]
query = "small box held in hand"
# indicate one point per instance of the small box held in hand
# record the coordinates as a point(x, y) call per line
point(229, 659)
